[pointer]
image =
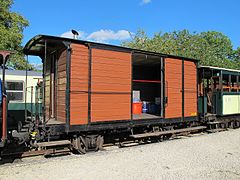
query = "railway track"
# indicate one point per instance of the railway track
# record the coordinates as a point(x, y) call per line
point(64, 147)
point(45, 152)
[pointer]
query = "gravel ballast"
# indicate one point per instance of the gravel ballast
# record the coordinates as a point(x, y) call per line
point(202, 156)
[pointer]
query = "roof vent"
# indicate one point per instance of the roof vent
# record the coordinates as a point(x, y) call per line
point(75, 34)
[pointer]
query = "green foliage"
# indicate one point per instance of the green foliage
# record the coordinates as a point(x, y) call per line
point(236, 57)
point(211, 48)
point(11, 34)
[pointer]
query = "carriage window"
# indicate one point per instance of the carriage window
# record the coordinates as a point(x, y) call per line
point(14, 90)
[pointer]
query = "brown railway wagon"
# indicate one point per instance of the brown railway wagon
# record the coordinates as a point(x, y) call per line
point(90, 85)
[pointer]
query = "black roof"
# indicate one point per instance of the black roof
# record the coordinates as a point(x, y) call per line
point(21, 72)
point(35, 46)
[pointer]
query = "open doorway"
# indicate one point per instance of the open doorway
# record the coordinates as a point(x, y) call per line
point(147, 86)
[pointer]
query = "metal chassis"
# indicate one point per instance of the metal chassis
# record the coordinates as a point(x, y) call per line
point(121, 124)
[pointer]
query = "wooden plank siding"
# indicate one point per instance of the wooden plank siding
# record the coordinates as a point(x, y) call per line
point(190, 88)
point(111, 85)
point(61, 88)
point(173, 79)
point(47, 88)
point(79, 85)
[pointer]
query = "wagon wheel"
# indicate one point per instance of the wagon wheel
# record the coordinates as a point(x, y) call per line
point(79, 145)
point(161, 138)
point(237, 124)
point(99, 143)
point(168, 136)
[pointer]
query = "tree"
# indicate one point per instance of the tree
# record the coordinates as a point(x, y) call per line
point(236, 57)
point(211, 47)
point(11, 34)
point(220, 49)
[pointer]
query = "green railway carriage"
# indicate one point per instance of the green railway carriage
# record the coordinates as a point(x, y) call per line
point(219, 91)
point(21, 94)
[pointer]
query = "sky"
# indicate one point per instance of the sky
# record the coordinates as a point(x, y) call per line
point(113, 21)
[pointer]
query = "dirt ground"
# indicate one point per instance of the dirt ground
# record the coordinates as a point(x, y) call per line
point(201, 156)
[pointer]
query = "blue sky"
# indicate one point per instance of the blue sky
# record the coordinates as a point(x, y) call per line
point(111, 20)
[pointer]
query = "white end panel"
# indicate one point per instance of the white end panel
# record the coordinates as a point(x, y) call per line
point(231, 104)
